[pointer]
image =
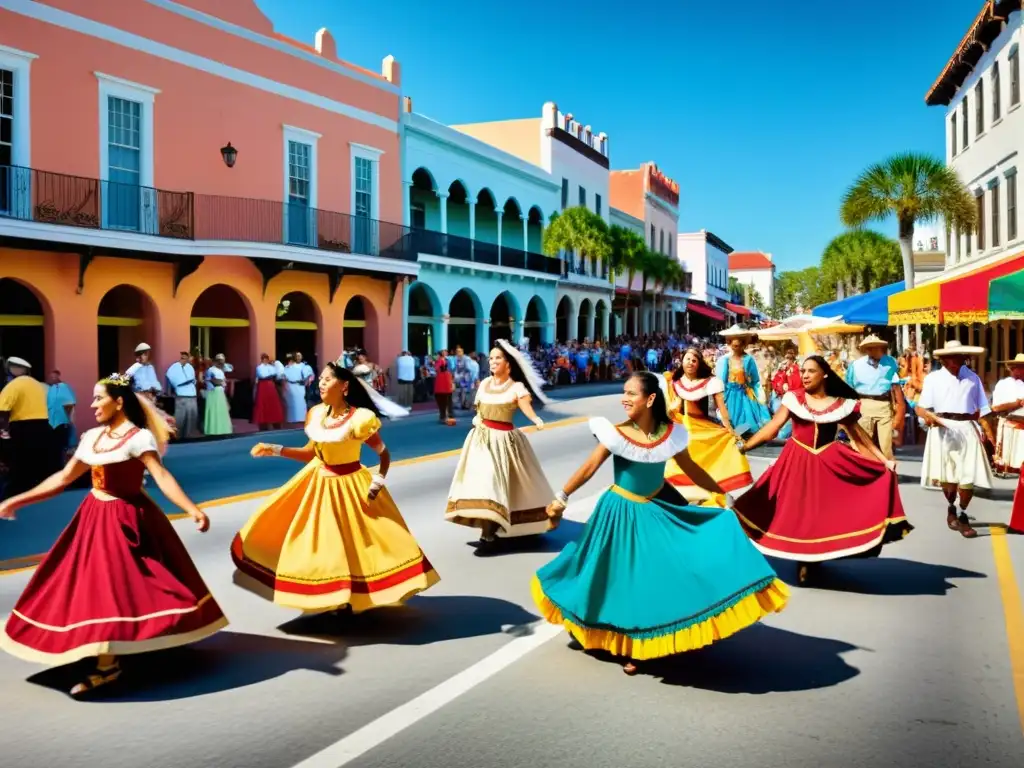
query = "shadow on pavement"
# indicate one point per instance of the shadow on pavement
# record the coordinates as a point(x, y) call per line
point(226, 661)
point(552, 541)
point(759, 660)
point(422, 621)
point(883, 576)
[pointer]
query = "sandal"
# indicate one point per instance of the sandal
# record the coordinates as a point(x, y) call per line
point(629, 669)
point(951, 522)
point(964, 526)
point(102, 676)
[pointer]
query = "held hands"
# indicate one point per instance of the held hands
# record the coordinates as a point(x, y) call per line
point(554, 511)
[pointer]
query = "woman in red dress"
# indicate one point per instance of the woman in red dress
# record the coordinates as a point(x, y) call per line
point(118, 580)
point(822, 500)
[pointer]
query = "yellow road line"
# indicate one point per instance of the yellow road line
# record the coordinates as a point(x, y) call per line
point(1013, 611)
point(19, 564)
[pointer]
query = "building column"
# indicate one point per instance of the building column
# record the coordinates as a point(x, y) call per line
point(441, 342)
point(604, 324)
point(547, 332)
point(407, 206)
point(590, 323)
point(483, 335)
point(499, 213)
point(526, 233)
point(519, 331)
point(472, 221)
point(442, 198)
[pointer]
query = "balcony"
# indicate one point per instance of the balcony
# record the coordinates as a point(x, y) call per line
point(28, 194)
point(585, 268)
point(483, 253)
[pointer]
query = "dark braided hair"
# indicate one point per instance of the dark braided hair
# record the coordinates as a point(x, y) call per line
point(357, 396)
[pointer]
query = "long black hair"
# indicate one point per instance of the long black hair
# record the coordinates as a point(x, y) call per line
point(703, 369)
point(132, 408)
point(357, 396)
point(650, 385)
point(516, 373)
point(834, 384)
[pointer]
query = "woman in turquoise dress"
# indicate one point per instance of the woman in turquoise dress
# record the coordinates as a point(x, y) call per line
point(651, 576)
point(738, 372)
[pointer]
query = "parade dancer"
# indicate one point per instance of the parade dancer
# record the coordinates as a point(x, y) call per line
point(875, 377)
point(499, 486)
point(649, 576)
point(331, 538)
point(738, 372)
point(952, 403)
point(1008, 402)
point(691, 388)
point(118, 581)
point(821, 499)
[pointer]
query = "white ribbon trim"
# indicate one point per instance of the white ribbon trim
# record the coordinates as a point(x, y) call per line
point(800, 410)
point(609, 436)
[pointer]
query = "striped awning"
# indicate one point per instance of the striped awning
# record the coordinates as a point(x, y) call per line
point(964, 300)
point(918, 305)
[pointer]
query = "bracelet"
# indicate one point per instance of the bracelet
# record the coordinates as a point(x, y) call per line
point(377, 482)
point(275, 449)
point(562, 498)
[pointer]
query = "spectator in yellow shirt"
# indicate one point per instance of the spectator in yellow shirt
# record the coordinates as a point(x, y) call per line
point(27, 442)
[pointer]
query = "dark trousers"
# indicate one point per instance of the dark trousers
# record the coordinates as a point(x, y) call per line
point(444, 405)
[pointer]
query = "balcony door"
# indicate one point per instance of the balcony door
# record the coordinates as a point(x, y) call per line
point(300, 229)
point(122, 195)
point(14, 180)
point(363, 223)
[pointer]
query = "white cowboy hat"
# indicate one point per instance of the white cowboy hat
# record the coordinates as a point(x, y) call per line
point(18, 362)
point(873, 341)
point(143, 347)
point(737, 332)
point(1017, 360)
point(956, 348)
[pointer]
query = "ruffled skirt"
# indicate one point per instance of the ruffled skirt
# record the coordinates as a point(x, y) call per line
point(648, 579)
point(954, 453)
point(714, 449)
point(319, 544)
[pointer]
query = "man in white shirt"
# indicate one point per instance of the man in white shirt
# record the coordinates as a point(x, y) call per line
point(1008, 402)
point(144, 379)
point(406, 367)
point(181, 381)
point(951, 404)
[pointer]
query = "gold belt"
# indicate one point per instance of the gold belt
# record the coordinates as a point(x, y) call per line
point(635, 496)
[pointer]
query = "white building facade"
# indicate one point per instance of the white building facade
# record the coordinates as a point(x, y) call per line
point(755, 269)
point(981, 90)
point(478, 215)
point(706, 256)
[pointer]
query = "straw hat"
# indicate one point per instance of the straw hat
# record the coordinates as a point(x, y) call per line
point(737, 332)
point(18, 362)
point(143, 347)
point(956, 348)
point(873, 341)
point(1017, 360)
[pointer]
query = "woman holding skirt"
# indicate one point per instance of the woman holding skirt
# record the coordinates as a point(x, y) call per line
point(499, 486)
point(821, 499)
point(651, 577)
point(712, 446)
point(742, 381)
point(118, 580)
point(331, 538)
point(217, 415)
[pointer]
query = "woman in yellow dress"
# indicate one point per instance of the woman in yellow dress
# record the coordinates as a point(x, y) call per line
point(331, 538)
point(713, 446)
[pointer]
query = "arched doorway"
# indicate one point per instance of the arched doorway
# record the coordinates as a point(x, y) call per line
point(536, 319)
point(359, 327)
point(600, 321)
point(126, 317)
point(295, 329)
point(423, 315)
point(462, 323)
point(220, 325)
point(564, 320)
point(22, 326)
point(503, 318)
point(583, 322)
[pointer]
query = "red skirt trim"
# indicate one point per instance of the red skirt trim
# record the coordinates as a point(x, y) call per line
point(734, 483)
point(357, 584)
point(267, 409)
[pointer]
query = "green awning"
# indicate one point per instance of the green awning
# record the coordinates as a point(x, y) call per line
point(1006, 297)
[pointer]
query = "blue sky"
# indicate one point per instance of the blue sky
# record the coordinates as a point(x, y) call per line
point(763, 115)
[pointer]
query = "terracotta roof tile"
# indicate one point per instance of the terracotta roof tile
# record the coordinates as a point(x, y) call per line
point(749, 260)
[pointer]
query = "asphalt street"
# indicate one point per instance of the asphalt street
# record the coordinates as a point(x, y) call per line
point(906, 660)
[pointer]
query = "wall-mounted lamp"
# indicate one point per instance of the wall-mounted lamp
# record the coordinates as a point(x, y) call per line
point(229, 154)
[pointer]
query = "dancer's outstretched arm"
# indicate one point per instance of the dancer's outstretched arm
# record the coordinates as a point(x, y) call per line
point(165, 482)
point(864, 445)
point(50, 487)
point(377, 444)
point(580, 477)
point(526, 406)
point(695, 472)
point(304, 454)
point(768, 431)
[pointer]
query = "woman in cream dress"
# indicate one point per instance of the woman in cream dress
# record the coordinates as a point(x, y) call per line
point(499, 486)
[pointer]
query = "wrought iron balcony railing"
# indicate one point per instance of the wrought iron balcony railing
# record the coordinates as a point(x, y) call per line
point(480, 252)
point(56, 198)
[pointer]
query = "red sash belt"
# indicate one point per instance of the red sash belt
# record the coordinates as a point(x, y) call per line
point(503, 426)
point(340, 470)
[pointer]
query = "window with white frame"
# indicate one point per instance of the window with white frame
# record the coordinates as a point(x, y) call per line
point(126, 155)
point(952, 135)
point(1011, 206)
point(300, 186)
point(1014, 62)
point(995, 214)
point(15, 157)
point(979, 108)
point(965, 120)
point(365, 210)
point(996, 101)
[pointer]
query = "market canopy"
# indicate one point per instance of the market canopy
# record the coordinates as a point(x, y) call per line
point(737, 309)
point(1006, 297)
point(871, 308)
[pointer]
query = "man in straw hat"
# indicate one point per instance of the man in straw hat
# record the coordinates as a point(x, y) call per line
point(27, 442)
point(1008, 402)
point(952, 403)
point(876, 377)
point(144, 378)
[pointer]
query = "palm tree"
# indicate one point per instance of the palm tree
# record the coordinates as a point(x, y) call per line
point(861, 260)
point(578, 230)
point(628, 249)
point(912, 187)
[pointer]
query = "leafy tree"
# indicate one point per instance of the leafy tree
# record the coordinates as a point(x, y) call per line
point(579, 230)
point(798, 291)
point(912, 187)
point(626, 258)
point(860, 261)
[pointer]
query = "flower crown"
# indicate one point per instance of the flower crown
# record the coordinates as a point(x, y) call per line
point(117, 380)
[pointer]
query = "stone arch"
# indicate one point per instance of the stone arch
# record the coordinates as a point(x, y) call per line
point(584, 321)
point(361, 327)
point(423, 318)
point(504, 315)
point(26, 325)
point(126, 316)
point(565, 318)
